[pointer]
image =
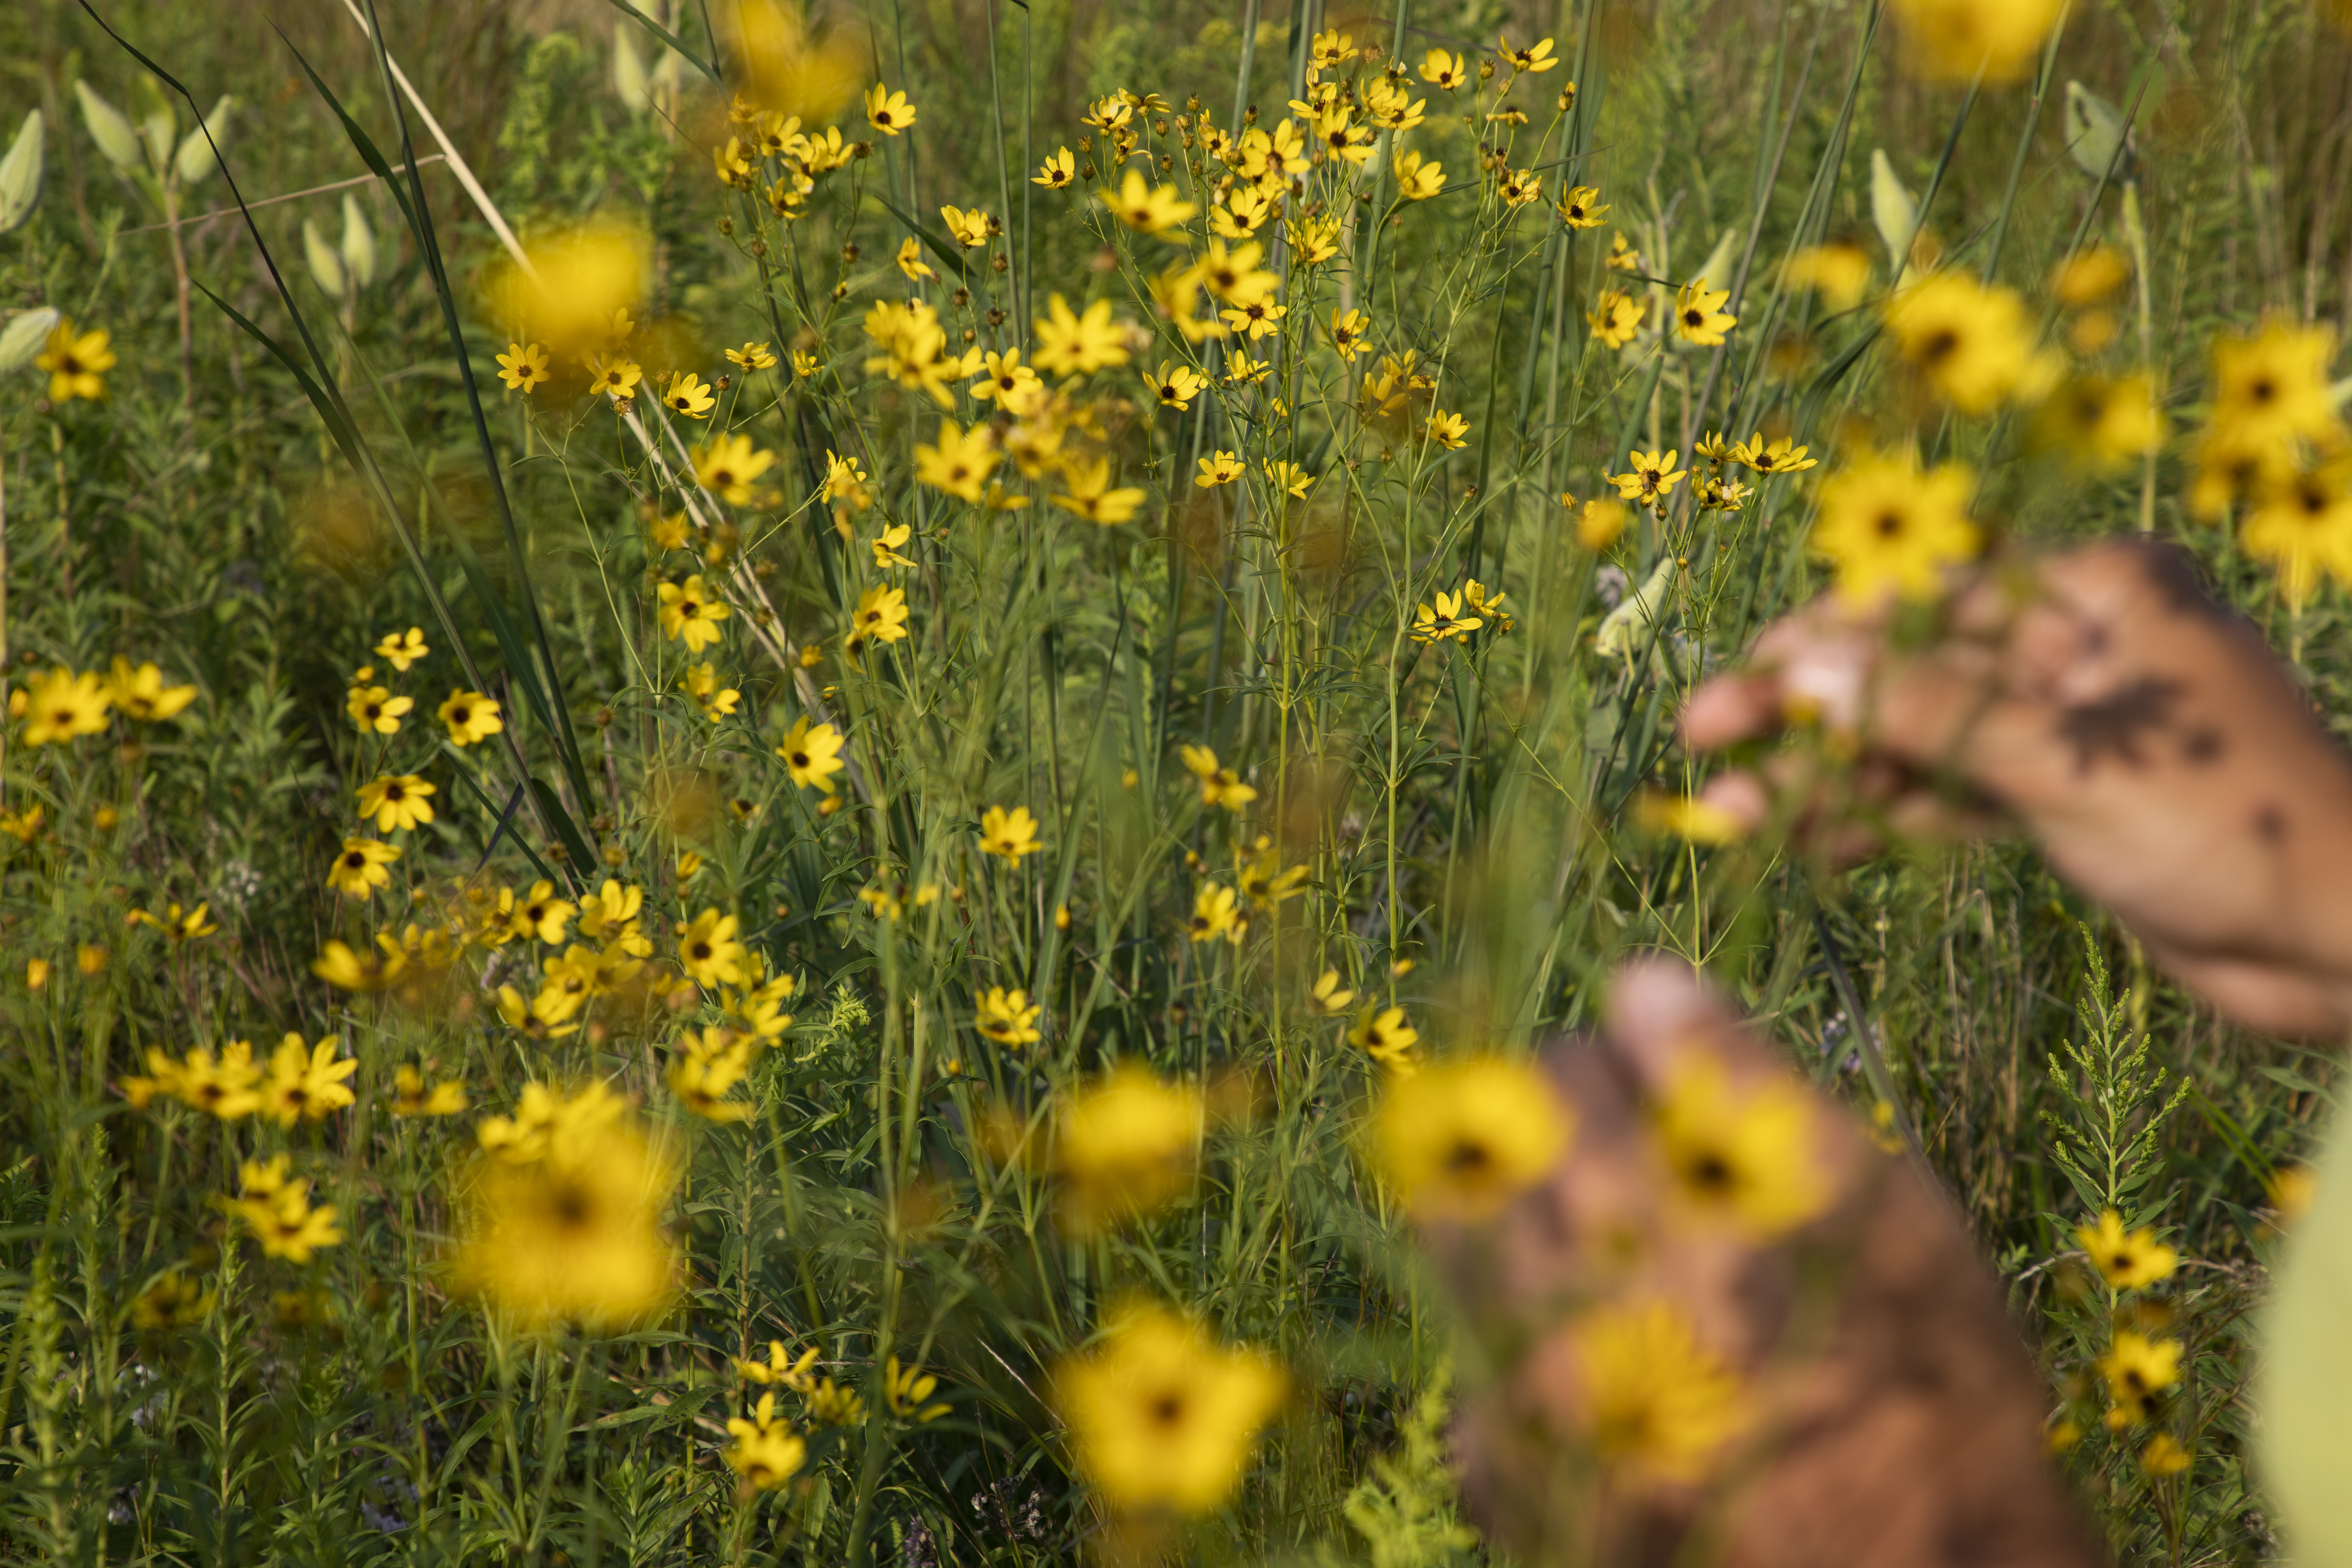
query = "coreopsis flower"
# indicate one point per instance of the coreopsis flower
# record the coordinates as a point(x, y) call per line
point(765, 1452)
point(178, 925)
point(1089, 494)
point(1124, 1145)
point(1449, 618)
point(24, 825)
point(687, 393)
point(470, 717)
point(2163, 1455)
point(1392, 107)
point(537, 916)
point(1341, 137)
point(1687, 817)
point(1220, 785)
point(523, 366)
point(2089, 276)
point(1953, 40)
point(910, 261)
point(77, 361)
point(887, 112)
point(1622, 256)
point(708, 951)
point(1615, 318)
point(2303, 525)
point(1486, 604)
point(1258, 318)
point(1581, 207)
point(1417, 178)
point(1781, 456)
point(880, 614)
point(398, 802)
point(1162, 1416)
point(905, 1389)
point(2272, 389)
point(1215, 914)
point(1655, 1401)
point(2101, 423)
point(885, 546)
point(1518, 187)
point(1108, 114)
point(1534, 59)
point(1971, 341)
point(2128, 1261)
point(1008, 1017)
point(1699, 316)
point(2138, 1370)
point(410, 1097)
point(1220, 468)
point(1383, 1035)
point(1005, 381)
point(970, 230)
point(1072, 344)
point(1147, 208)
point(280, 1214)
point(1241, 370)
point(614, 375)
point(811, 755)
point(360, 868)
point(727, 467)
point(375, 709)
point(1176, 385)
point(1009, 834)
point(64, 706)
point(1328, 996)
point(307, 1083)
point(1242, 213)
point(1741, 1156)
point(1447, 71)
point(691, 613)
point(1057, 172)
point(705, 1068)
point(1649, 479)
point(1469, 1136)
point(1450, 431)
point(609, 916)
point(173, 1301)
point(731, 165)
point(751, 357)
point(1351, 332)
point(401, 649)
point(1840, 270)
point(703, 688)
point(960, 462)
point(1888, 526)
point(348, 969)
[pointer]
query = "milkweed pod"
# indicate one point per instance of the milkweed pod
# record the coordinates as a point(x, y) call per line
point(1892, 208)
point(20, 174)
point(22, 338)
point(117, 138)
point(2097, 137)
point(326, 265)
point(160, 131)
point(359, 244)
point(199, 155)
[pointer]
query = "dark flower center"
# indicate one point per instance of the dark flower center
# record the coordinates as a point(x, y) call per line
point(1889, 524)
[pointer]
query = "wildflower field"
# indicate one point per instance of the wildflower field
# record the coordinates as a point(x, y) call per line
point(792, 784)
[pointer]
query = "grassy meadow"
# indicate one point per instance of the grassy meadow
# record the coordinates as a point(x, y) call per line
point(1034, 627)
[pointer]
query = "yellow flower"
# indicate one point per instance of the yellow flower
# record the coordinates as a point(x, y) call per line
point(522, 366)
point(910, 260)
point(753, 356)
point(1219, 785)
point(1655, 1400)
point(2100, 421)
point(1615, 318)
point(178, 925)
point(687, 393)
point(707, 949)
point(2164, 1457)
point(1781, 456)
point(1056, 173)
point(174, 1301)
point(2090, 275)
point(1006, 382)
point(705, 1068)
point(845, 481)
point(765, 1452)
point(1581, 207)
point(1417, 178)
point(1447, 619)
point(1162, 1416)
point(359, 869)
point(1147, 208)
point(1072, 344)
point(470, 717)
point(284, 1223)
point(1450, 431)
point(905, 1389)
point(691, 614)
point(1125, 1145)
point(1971, 341)
point(615, 376)
point(1327, 995)
point(1220, 468)
point(347, 970)
point(401, 649)
point(700, 683)
point(570, 1234)
point(2138, 1370)
point(811, 755)
point(1887, 526)
point(881, 615)
point(1518, 187)
point(1954, 39)
point(2127, 1262)
point(2272, 389)
point(1699, 316)
point(1243, 371)
point(969, 229)
point(886, 545)
point(960, 462)
point(1445, 71)
point(1468, 1136)
point(1011, 834)
point(375, 709)
point(1687, 817)
point(1739, 1157)
point(887, 112)
point(63, 706)
point(1176, 385)
point(1089, 494)
point(307, 1083)
point(1215, 914)
point(76, 362)
point(411, 1098)
point(727, 467)
point(397, 802)
point(1383, 1035)
point(1840, 271)
point(1008, 1017)
point(2303, 525)
point(1536, 57)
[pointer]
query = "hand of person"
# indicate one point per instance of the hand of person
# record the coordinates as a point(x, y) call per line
point(2149, 740)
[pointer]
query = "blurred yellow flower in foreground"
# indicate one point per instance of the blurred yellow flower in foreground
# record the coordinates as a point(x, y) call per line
point(62, 705)
point(1740, 1156)
point(1124, 1145)
point(1468, 1135)
point(1162, 1416)
point(1655, 1400)
point(1951, 40)
point(1888, 526)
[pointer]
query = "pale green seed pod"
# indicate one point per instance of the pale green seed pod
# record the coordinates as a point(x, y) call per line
point(20, 175)
point(160, 133)
point(22, 338)
point(2095, 134)
point(1893, 209)
point(359, 244)
point(629, 80)
point(1720, 261)
point(196, 158)
point(117, 138)
point(326, 265)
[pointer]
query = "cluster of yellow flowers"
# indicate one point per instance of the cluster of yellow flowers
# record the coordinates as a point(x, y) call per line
point(2141, 1363)
point(468, 716)
point(277, 1208)
point(299, 1083)
point(64, 705)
